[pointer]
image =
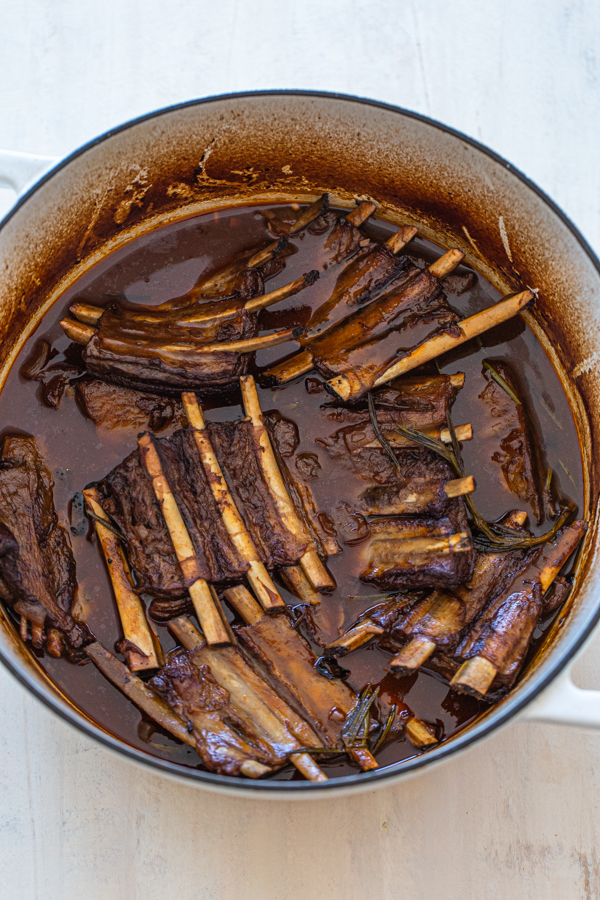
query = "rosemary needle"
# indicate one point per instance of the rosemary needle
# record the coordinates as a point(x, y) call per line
point(106, 524)
point(379, 434)
point(386, 729)
point(493, 536)
point(355, 728)
point(500, 380)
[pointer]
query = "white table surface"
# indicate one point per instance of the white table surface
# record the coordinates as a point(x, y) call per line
point(516, 817)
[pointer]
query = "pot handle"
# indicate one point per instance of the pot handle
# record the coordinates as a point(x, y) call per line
point(19, 170)
point(563, 703)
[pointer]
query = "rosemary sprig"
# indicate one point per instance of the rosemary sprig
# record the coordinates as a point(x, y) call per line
point(492, 536)
point(386, 729)
point(379, 433)
point(106, 524)
point(355, 729)
point(500, 380)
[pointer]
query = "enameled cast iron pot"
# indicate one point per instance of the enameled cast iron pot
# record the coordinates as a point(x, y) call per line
point(275, 145)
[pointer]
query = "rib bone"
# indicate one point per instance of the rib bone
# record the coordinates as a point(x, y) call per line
point(359, 216)
point(311, 564)
point(156, 708)
point(302, 362)
point(142, 654)
point(347, 386)
point(254, 699)
point(208, 613)
point(82, 334)
point(86, 313)
point(312, 212)
point(463, 433)
point(91, 315)
point(289, 660)
point(400, 239)
point(77, 332)
point(258, 576)
point(443, 615)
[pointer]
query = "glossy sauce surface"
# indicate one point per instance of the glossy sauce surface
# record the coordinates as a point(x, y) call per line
point(166, 264)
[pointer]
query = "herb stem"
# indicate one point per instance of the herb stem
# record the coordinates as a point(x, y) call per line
point(500, 381)
point(492, 536)
point(379, 434)
point(386, 729)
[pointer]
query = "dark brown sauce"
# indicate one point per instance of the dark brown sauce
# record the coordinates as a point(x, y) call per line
point(167, 263)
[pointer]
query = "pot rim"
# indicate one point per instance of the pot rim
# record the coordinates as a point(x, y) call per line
point(376, 777)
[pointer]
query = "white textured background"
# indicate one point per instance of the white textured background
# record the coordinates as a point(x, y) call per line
point(518, 816)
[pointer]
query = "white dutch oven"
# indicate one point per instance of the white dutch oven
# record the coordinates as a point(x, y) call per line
point(267, 146)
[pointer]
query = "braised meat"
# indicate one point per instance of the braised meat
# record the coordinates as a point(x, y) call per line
point(130, 501)
point(508, 439)
point(442, 616)
point(367, 341)
point(238, 451)
point(420, 403)
point(114, 407)
point(163, 366)
point(287, 657)
point(502, 633)
point(407, 554)
point(417, 496)
point(366, 272)
point(202, 341)
point(36, 562)
point(223, 741)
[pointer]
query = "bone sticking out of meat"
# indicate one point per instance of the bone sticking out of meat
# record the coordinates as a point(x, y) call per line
point(86, 313)
point(91, 315)
point(416, 560)
point(282, 293)
point(182, 352)
point(140, 645)
point(349, 387)
point(247, 345)
point(356, 637)
point(254, 701)
point(446, 263)
point(458, 487)
point(260, 580)
point(415, 553)
point(420, 734)
point(427, 496)
point(376, 621)
point(310, 562)
point(298, 584)
point(266, 255)
point(437, 621)
point(400, 239)
point(130, 500)
point(365, 274)
point(77, 331)
point(284, 653)
point(304, 361)
point(496, 647)
point(359, 216)
point(463, 433)
point(206, 730)
point(312, 212)
point(208, 614)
